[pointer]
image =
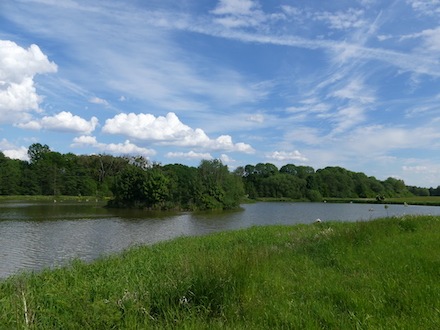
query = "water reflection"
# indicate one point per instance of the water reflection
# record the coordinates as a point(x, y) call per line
point(36, 235)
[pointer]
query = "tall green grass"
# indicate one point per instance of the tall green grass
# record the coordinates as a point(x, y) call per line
point(382, 274)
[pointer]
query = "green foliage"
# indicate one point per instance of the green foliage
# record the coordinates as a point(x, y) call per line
point(176, 186)
point(184, 185)
point(10, 177)
point(220, 189)
point(302, 182)
point(380, 274)
point(210, 186)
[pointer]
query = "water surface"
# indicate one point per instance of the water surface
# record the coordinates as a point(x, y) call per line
point(38, 235)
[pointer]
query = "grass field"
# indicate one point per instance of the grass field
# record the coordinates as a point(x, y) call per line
point(382, 274)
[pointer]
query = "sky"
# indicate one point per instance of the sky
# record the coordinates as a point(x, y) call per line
point(350, 83)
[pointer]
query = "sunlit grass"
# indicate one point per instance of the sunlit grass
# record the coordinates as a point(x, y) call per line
point(382, 274)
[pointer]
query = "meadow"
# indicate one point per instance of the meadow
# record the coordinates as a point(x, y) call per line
point(381, 274)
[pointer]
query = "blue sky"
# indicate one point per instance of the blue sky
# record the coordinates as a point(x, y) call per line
point(350, 83)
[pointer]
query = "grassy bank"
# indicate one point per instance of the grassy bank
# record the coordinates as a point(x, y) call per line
point(382, 274)
point(414, 200)
point(51, 199)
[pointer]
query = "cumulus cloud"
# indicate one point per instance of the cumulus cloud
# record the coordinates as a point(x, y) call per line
point(169, 130)
point(12, 151)
point(18, 153)
point(189, 155)
point(287, 156)
point(18, 66)
point(114, 148)
point(64, 122)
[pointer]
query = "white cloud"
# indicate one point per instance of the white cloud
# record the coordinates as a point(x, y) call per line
point(292, 11)
point(169, 130)
point(189, 155)
point(238, 13)
point(19, 153)
point(347, 118)
point(97, 100)
point(415, 169)
point(355, 90)
point(64, 122)
point(226, 159)
point(126, 148)
point(379, 139)
point(384, 37)
point(431, 39)
point(18, 66)
point(85, 140)
point(425, 7)
point(310, 106)
point(12, 151)
point(258, 118)
point(303, 134)
point(287, 156)
point(235, 7)
point(351, 18)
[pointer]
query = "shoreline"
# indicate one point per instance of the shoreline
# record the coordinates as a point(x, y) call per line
point(303, 276)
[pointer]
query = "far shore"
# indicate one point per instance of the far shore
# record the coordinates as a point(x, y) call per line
point(414, 200)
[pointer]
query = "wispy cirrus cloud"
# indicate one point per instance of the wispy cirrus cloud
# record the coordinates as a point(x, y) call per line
point(429, 8)
point(147, 74)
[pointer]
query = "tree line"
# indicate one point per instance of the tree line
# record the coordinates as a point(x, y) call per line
point(137, 182)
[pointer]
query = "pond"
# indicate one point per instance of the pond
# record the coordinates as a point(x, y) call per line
point(39, 235)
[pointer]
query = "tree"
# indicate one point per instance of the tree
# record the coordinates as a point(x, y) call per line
point(220, 189)
point(396, 188)
point(128, 188)
point(300, 171)
point(265, 170)
point(36, 151)
point(336, 182)
point(10, 174)
point(155, 188)
point(184, 185)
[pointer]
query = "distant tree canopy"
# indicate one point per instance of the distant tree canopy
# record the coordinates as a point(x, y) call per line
point(135, 181)
point(303, 182)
